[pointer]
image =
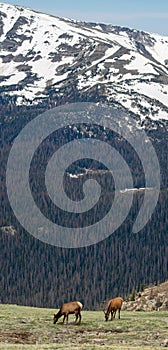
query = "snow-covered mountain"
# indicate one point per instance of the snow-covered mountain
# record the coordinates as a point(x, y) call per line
point(45, 57)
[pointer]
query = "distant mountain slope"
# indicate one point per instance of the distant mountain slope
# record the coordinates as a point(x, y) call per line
point(45, 57)
point(47, 61)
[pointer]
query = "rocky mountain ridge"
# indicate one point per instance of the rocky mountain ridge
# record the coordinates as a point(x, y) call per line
point(46, 59)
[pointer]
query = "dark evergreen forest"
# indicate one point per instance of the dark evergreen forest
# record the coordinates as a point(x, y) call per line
point(37, 274)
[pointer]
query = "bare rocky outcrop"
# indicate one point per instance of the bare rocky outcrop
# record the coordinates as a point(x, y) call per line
point(152, 298)
point(8, 230)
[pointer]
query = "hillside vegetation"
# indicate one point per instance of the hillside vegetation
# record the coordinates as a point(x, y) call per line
point(33, 328)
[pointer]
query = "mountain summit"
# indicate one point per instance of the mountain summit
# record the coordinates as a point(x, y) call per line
point(56, 59)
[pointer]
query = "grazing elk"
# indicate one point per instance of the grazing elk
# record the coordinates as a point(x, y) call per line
point(73, 307)
point(112, 307)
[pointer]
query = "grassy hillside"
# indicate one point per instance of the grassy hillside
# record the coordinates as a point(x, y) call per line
point(33, 328)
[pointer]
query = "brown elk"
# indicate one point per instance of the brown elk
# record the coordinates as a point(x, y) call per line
point(73, 307)
point(112, 307)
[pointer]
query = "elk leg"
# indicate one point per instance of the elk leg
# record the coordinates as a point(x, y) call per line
point(67, 318)
point(119, 313)
point(64, 318)
point(76, 314)
point(79, 317)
